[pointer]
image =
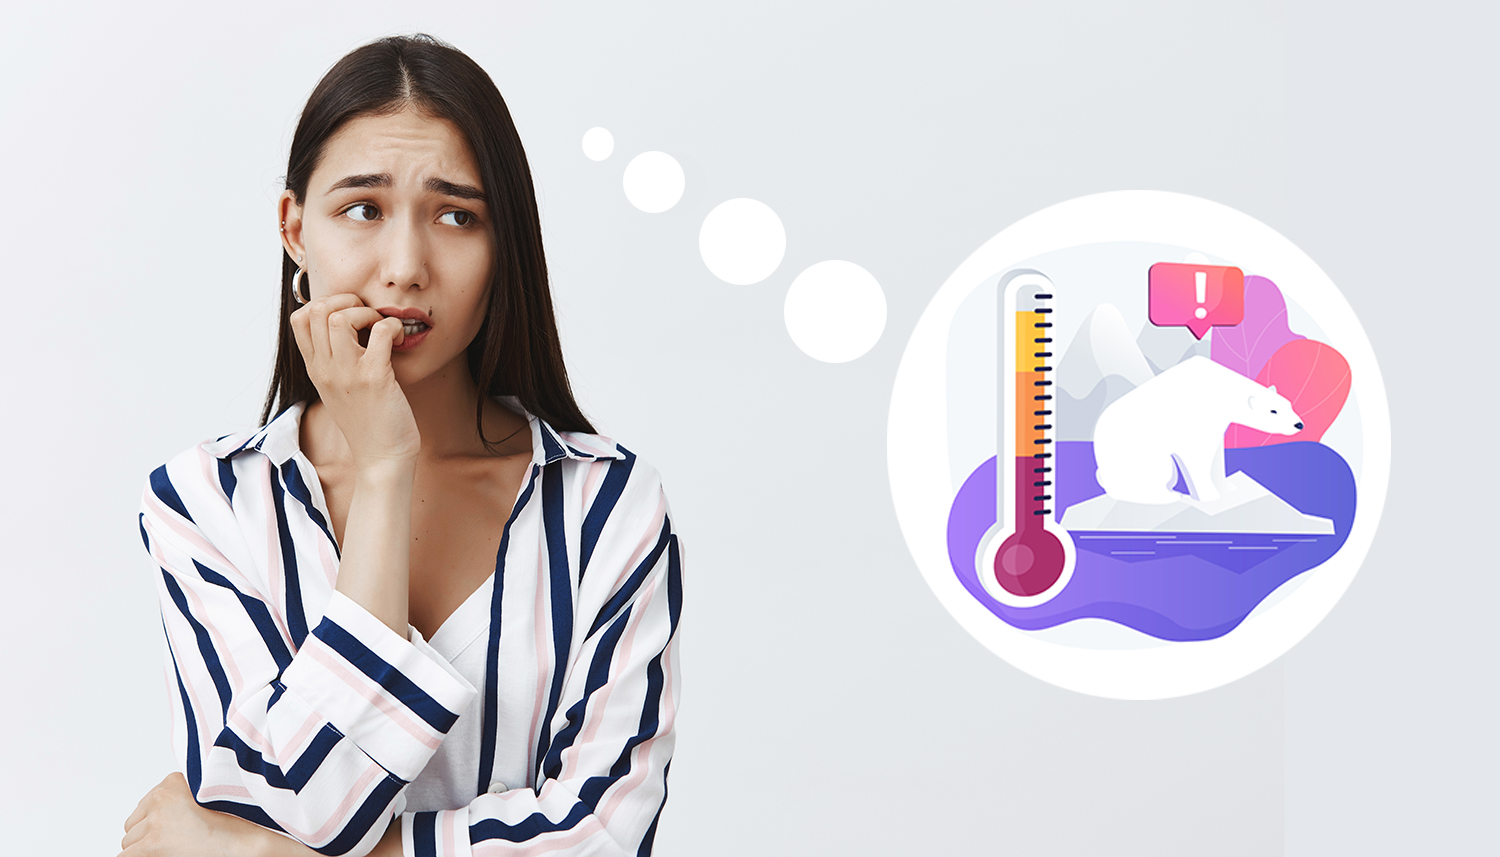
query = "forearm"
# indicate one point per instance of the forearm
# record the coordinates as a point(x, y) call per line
point(374, 563)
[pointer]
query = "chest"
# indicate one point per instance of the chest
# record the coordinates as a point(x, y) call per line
point(458, 515)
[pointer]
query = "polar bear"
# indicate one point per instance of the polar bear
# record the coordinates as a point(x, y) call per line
point(1181, 414)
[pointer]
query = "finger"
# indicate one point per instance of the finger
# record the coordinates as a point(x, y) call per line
point(386, 334)
point(343, 327)
point(319, 310)
point(302, 332)
point(135, 834)
point(138, 813)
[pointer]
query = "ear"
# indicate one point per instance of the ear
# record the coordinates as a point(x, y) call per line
point(290, 215)
point(1273, 388)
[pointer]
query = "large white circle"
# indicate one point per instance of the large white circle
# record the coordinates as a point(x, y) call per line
point(835, 311)
point(598, 144)
point(653, 181)
point(742, 241)
point(922, 483)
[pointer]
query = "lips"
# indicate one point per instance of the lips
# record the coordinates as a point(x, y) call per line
point(414, 322)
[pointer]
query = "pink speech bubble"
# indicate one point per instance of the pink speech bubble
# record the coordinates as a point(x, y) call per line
point(1196, 296)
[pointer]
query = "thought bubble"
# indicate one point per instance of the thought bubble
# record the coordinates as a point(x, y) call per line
point(1196, 296)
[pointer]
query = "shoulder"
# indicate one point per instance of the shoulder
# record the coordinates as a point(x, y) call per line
point(197, 484)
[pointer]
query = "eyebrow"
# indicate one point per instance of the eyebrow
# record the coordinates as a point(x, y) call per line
point(433, 185)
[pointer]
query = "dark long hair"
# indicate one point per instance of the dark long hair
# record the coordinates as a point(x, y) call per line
point(517, 351)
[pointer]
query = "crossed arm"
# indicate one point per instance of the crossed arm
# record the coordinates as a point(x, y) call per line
point(319, 738)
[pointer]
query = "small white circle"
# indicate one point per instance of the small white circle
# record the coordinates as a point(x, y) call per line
point(1200, 312)
point(742, 241)
point(835, 311)
point(653, 182)
point(598, 143)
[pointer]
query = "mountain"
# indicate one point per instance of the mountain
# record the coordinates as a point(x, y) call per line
point(1102, 364)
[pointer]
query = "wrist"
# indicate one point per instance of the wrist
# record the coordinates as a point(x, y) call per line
point(386, 473)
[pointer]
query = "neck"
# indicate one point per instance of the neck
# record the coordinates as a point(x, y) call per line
point(443, 405)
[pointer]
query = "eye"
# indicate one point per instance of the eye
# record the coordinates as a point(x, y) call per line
point(460, 218)
point(1273, 410)
point(363, 212)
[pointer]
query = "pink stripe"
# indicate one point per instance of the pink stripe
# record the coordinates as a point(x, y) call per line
point(361, 684)
point(220, 645)
point(591, 481)
point(668, 716)
point(545, 843)
point(340, 813)
point(653, 535)
point(449, 839)
point(539, 619)
point(161, 515)
point(577, 442)
point(330, 567)
point(247, 730)
point(206, 792)
point(274, 570)
point(186, 675)
point(206, 552)
point(594, 714)
point(294, 746)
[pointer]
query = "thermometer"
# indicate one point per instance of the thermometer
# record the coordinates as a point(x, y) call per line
point(1026, 558)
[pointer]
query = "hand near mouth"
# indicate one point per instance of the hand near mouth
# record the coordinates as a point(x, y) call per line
point(347, 348)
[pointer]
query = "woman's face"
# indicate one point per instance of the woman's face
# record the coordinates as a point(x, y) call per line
point(395, 215)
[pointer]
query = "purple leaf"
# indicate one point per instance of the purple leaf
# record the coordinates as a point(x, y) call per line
point(1247, 346)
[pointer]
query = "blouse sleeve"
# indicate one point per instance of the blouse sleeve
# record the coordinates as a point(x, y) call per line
point(601, 777)
point(316, 737)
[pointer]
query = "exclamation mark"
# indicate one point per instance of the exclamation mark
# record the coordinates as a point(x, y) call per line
point(1200, 287)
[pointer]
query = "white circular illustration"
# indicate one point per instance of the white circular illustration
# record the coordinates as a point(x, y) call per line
point(835, 311)
point(654, 182)
point(742, 241)
point(1138, 445)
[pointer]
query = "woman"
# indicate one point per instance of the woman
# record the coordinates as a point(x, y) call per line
point(423, 609)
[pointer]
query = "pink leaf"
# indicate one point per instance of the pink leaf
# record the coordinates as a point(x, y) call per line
point(1314, 377)
point(1247, 346)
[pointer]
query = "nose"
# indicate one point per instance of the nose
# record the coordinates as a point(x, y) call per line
point(1299, 426)
point(404, 260)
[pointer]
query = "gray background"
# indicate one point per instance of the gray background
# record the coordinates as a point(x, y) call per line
point(830, 704)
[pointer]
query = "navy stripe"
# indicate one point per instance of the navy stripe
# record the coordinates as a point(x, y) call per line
point(298, 488)
point(227, 480)
point(550, 446)
point(492, 658)
point(194, 759)
point(633, 583)
point(650, 721)
point(205, 644)
point(650, 839)
point(604, 504)
point(598, 675)
point(424, 834)
point(296, 619)
point(260, 616)
point(161, 486)
point(532, 826)
point(595, 787)
point(561, 586)
point(385, 675)
point(277, 689)
point(251, 761)
point(370, 812)
point(249, 812)
point(307, 764)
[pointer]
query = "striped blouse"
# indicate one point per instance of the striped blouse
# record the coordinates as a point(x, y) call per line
point(537, 719)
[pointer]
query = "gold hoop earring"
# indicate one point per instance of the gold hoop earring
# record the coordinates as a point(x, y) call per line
point(297, 280)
